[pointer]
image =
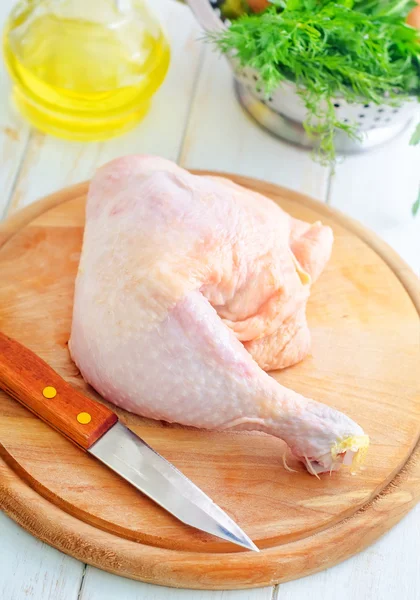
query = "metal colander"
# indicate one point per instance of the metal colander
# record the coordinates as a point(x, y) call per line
point(284, 112)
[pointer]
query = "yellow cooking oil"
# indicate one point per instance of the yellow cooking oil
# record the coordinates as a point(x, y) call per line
point(84, 69)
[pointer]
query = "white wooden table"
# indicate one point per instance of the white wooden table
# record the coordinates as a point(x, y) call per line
point(195, 120)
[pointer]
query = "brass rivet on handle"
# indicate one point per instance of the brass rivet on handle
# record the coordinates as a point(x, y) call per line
point(49, 392)
point(84, 418)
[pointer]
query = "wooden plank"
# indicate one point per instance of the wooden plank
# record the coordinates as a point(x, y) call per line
point(98, 585)
point(14, 132)
point(273, 507)
point(379, 188)
point(389, 569)
point(32, 570)
point(52, 163)
point(220, 136)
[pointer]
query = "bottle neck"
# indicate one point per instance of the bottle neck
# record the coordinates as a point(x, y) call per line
point(123, 6)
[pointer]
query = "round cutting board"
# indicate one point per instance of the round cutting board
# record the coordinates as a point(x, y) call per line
point(364, 316)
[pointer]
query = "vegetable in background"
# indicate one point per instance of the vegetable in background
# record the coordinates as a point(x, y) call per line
point(360, 50)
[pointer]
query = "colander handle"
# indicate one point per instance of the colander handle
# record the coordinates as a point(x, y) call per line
point(205, 15)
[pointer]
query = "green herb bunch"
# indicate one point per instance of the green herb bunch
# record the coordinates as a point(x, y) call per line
point(359, 50)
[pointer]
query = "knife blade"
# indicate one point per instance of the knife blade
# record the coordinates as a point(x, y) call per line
point(96, 429)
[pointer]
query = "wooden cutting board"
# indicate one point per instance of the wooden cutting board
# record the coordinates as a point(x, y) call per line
point(364, 318)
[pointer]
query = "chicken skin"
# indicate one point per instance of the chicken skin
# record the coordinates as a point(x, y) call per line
point(189, 289)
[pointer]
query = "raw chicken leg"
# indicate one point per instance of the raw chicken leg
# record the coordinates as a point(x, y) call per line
point(190, 286)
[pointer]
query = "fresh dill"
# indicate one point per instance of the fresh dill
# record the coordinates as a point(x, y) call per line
point(416, 206)
point(359, 50)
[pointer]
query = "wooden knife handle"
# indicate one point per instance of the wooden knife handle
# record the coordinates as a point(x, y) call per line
point(39, 388)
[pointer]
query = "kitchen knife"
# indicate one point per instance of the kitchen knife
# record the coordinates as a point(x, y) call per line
point(95, 428)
